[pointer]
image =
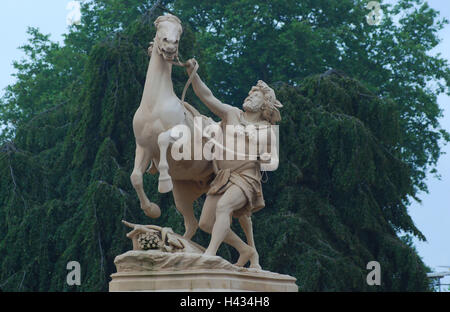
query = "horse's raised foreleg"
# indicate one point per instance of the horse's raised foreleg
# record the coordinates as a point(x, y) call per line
point(165, 181)
point(141, 162)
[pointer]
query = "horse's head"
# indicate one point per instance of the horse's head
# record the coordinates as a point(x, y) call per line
point(168, 33)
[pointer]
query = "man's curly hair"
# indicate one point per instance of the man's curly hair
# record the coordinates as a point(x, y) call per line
point(271, 104)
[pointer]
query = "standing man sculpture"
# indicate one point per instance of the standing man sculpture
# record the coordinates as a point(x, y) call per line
point(236, 190)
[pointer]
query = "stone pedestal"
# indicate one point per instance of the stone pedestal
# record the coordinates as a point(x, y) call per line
point(161, 271)
point(202, 280)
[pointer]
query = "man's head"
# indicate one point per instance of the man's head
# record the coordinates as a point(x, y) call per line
point(262, 98)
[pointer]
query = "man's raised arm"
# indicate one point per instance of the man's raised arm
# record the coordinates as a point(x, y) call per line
point(202, 91)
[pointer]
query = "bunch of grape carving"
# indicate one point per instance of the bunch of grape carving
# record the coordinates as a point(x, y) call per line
point(148, 241)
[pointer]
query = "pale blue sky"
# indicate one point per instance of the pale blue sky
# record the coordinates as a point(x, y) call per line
point(432, 217)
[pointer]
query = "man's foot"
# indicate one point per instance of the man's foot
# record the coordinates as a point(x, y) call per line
point(250, 254)
point(208, 253)
point(255, 266)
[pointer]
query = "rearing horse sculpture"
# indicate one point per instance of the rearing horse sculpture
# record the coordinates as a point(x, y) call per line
point(159, 111)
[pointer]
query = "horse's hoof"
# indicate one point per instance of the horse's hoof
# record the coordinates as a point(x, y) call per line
point(165, 185)
point(152, 210)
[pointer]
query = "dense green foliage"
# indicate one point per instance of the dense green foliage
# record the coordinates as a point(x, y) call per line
point(354, 147)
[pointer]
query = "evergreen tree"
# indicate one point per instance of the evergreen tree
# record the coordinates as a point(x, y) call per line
point(353, 148)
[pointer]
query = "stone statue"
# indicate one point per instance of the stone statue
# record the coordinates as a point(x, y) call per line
point(236, 190)
point(159, 112)
point(162, 259)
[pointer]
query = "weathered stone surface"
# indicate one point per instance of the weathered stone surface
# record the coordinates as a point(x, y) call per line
point(155, 260)
point(154, 270)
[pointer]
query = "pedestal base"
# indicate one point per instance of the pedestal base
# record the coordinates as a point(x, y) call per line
point(188, 269)
point(202, 280)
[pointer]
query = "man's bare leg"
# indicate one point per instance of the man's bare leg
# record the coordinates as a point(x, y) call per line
point(208, 218)
point(233, 199)
point(246, 224)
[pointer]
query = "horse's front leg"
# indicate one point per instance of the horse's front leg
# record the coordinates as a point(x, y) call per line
point(165, 181)
point(141, 163)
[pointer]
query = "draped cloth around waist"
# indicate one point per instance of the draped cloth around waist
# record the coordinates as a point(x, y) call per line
point(249, 181)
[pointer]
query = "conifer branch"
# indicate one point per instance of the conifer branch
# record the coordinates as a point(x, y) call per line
point(163, 8)
point(15, 183)
point(148, 16)
point(23, 278)
point(48, 111)
point(102, 269)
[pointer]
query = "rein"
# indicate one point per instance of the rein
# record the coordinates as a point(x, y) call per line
point(191, 76)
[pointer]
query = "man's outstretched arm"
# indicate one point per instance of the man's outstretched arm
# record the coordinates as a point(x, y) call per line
point(205, 95)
